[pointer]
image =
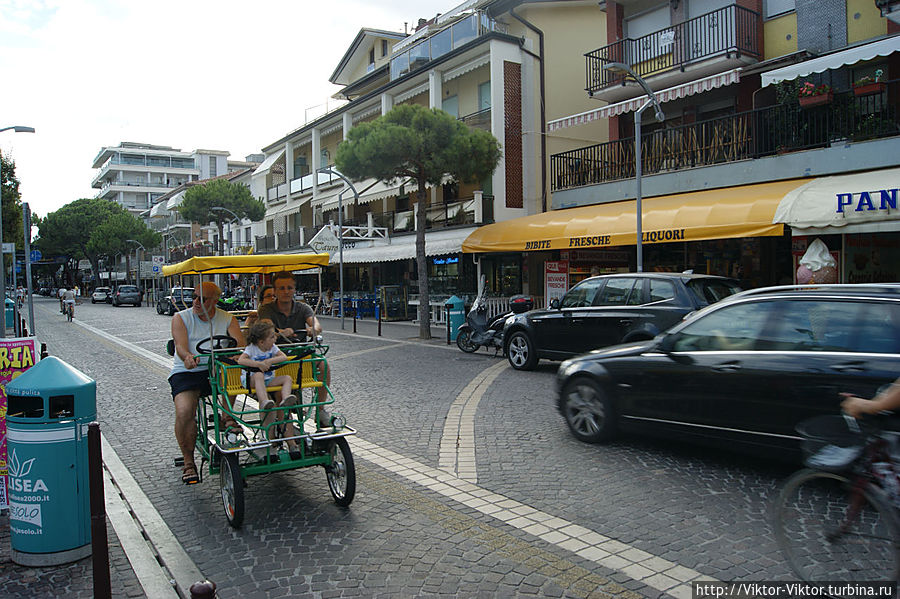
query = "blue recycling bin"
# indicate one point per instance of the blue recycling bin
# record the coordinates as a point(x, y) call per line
point(50, 407)
point(456, 315)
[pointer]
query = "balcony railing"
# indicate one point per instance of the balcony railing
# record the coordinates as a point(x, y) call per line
point(752, 134)
point(729, 30)
point(478, 120)
point(449, 38)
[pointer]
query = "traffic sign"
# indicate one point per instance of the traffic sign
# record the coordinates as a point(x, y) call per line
point(36, 255)
point(156, 269)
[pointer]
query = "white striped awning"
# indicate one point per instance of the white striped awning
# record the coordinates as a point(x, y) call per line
point(834, 60)
point(666, 95)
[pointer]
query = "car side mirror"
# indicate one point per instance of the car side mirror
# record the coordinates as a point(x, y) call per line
point(666, 344)
point(554, 303)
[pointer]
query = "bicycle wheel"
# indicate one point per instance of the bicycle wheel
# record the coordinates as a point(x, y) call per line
point(829, 532)
point(231, 486)
point(70, 313)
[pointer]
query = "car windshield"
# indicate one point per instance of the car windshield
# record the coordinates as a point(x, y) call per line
point(709, 291)
point(127, 289)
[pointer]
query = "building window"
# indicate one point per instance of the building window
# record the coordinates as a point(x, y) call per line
point(451, 105)
point(212, 166)
point(484, 95)
point(777, 7)
point(372, 56)
point(384, 48)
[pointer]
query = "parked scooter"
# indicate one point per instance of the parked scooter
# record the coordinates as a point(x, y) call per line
point(479, 331)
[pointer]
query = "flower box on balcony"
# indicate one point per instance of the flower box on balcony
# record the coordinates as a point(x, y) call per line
point(868, 89)
point(817, 100)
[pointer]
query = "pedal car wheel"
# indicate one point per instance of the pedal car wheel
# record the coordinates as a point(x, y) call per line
point(160, 309)
point(464, 341)
point(232, 487)
point(341, 473)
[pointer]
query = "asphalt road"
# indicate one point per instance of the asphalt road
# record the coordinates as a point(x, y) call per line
point(638, 517)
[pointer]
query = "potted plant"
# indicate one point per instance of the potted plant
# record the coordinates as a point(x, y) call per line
point(810, 94)
point(868, 85)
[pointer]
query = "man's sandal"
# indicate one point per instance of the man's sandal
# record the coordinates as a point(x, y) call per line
point(229, 424)
point(189, 474)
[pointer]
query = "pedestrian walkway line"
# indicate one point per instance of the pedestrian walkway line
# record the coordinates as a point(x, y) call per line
point(654, 571)
point(141, 514)
point(457, 450)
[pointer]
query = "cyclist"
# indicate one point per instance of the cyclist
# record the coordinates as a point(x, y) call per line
point(295, 321)
point(189, 378)
point(888, 399)
point(68, 300)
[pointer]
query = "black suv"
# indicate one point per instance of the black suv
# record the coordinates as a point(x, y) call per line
point(179, 298)
point(742, 372)
point(606, 310)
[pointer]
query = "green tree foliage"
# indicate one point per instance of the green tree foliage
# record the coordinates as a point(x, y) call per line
point(200, 199)
point(11, 203)
point(424, 144)
point(91, 228)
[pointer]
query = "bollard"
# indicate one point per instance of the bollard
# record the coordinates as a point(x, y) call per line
point(99, 545)
point(44, 352)
point(204, 589)
point(379, 322)
point(447, 316)
point(354, 320)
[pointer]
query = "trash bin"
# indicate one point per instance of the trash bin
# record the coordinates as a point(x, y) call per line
point(456, 315)
point(50, 407)
point(10, 313)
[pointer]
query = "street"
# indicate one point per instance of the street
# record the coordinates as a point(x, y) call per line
point(535, 513)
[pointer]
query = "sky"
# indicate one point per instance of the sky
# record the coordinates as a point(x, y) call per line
point(213, 74)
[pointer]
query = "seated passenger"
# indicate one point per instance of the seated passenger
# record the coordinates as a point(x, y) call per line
point(262, 353)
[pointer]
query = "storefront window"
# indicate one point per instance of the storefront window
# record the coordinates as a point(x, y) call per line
point(503, 274)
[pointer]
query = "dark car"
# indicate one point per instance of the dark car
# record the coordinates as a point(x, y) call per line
point(126, 294)
point(178, 298)
point(744, 371)
point(606, 310)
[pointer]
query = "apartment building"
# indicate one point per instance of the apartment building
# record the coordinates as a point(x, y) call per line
point(135, 175)
point(779, 126)
point(482, 63)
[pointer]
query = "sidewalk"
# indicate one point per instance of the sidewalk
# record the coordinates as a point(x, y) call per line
point(400, 330)
point(74, 579)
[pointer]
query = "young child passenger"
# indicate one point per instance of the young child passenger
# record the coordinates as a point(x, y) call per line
point(262, 353)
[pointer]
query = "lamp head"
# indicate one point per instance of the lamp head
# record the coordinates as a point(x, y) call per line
point(618, 67)
point(23, 129)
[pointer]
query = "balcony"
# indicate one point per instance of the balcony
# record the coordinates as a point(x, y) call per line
point(753, 134)
point(436, 217)
point(478, 120)
point(450, 37)
point(702, 46)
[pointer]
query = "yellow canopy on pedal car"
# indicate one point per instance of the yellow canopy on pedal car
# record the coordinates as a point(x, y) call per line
point(252, 263)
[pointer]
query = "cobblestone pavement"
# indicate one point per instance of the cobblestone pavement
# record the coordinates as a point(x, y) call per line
point(702, 510)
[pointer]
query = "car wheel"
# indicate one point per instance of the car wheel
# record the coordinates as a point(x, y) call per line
point(137, 304)
point(521, 352)
point(588, 411)
point(171, 310)
point(159, 308)
point(93, 301)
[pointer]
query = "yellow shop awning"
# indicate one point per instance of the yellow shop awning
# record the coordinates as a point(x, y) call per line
point(745, 211)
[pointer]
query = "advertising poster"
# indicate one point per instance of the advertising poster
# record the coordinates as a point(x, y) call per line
point(16, 356)
point(556, 279)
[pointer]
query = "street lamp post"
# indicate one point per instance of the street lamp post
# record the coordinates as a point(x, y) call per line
point(16, 129)
point(236, 219)
point(652, 100)
point(143, 249)
point(330, 171)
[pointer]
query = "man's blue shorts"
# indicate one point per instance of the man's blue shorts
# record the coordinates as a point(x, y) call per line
point(190, 381)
